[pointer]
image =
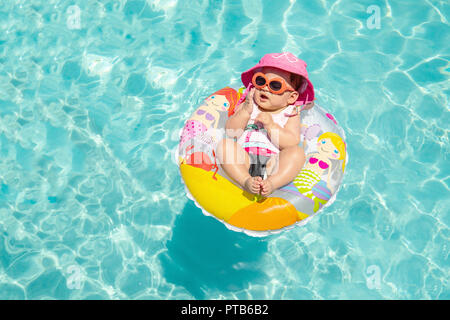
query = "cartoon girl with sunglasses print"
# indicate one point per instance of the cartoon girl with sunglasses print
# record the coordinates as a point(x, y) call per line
point(330, 146)
point(208, 114)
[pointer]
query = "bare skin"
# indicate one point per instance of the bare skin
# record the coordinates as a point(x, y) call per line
point(291, 160)
point(281, 168)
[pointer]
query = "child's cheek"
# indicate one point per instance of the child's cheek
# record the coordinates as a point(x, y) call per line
point(335, 155)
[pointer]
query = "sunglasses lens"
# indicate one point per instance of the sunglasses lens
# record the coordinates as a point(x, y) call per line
point(260, 81)
point(275, 85)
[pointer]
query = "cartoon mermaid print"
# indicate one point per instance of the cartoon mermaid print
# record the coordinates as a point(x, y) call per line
point(208, 114)
point(330, 146)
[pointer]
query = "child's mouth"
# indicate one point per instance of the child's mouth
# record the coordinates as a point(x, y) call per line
point(263, 96)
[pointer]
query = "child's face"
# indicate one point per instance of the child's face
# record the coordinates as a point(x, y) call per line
point(270, 101)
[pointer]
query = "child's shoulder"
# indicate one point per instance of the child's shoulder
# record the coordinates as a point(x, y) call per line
point(293, 112)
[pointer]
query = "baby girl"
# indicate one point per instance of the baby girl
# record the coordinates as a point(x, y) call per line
point(262, 152)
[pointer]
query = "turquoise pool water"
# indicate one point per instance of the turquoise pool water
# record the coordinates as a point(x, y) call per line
point(93, 95)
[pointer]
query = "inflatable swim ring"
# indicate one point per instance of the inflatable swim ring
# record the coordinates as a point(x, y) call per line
point(206, 183)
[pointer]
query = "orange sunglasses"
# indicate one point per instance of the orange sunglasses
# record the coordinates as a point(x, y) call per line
point(275, 85)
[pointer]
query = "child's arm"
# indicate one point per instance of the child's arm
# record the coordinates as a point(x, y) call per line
point(237, 122)
point(287, 136)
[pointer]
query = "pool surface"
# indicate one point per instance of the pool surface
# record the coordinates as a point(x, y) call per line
point(93, 95)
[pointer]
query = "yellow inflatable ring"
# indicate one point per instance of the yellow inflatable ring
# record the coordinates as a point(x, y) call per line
point(217, 195)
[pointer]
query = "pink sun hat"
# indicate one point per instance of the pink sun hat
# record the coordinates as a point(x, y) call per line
point(285, 61)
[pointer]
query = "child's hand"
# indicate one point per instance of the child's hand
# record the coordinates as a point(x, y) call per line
point(248, 103)
point(265, 118)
